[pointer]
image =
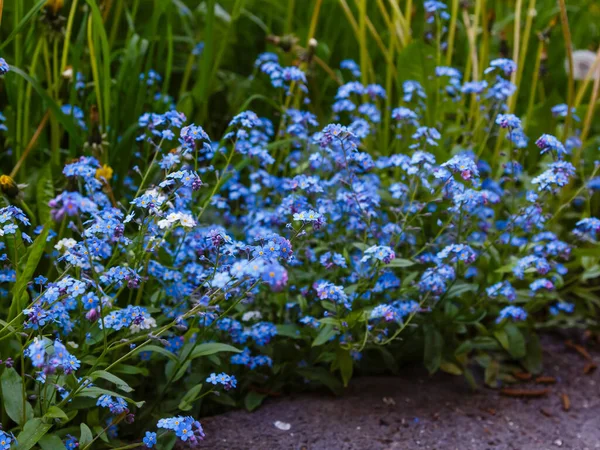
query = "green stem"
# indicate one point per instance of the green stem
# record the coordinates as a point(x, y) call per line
point(452, 32)
point(564, 20)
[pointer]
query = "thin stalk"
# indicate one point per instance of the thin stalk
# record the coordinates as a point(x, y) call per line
point(189, 65)
point(516, 38)
point(56, 69)
point(362, 40)
point(314, 20)
point(401, 28)
point(29, 89)
point(19, 85)
point(385, 15)
point(375, 35)
point(472, 47)
point(32, 142)
point(207, 61)
point(349, 16)
point(235, 14)
point(593, 71)
point(523, 53)
point(389, 76)
point(408, 18)
point(534, 81)
point(290, 17)
point(452, 31)
point(115, 24)
point(327, 69)
point(588, 117)
point(564, 20)
point(476, 15)
point(485, 39)
point(95, 73)
point(65, 53)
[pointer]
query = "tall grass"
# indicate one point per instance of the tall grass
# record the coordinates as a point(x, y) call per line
point(112, 43)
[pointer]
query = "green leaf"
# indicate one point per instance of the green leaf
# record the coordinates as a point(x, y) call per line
point(31, 14)
point(491, 374)
point(506, 269)
point(44, 192)
point(95, 392)
point(533, 360)
point(210, 348)
point(186, 402)
point(32, 432)
point(434, 343)
point(450, 368)
point(157, 349)
point(346, 366)
point(51, 442)
point(516, 341)
point(12, 397)
point(359, 245)
point(131, 370)
point(501, 336)
point(181, 370)
point(416, 62)
point(54, 412)
point(322, 376)
point(399, 262)
point(86, 435)
point(121, 384)
point(102, 82)
point(33, 256)
point(65, 120)
point(253, 400)
point(289, 330)
point(326, 333)
point(99, 431)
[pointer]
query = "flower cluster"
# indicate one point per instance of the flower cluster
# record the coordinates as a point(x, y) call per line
point(286, 246)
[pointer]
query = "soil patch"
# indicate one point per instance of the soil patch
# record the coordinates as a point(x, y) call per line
point(414, 411)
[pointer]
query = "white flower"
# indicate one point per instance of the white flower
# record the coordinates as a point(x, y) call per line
point(251, 315)
point(146, 324)
point(583, 60)
point(163, 223)
point(174, 217)
point(66, 243)
point(187, 220)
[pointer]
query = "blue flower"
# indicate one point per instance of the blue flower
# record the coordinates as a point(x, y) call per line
point(507, 66)
point(150, 439)
point(350, 65)
point(508, 121)
point(71, 443)
point(547, 143)
point(6, 439)
point(4, 68)
point(515, 313)
point(184, 431)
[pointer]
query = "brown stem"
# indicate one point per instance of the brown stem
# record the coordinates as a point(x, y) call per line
point(32, 142)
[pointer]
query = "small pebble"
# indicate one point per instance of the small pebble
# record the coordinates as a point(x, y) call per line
point(283, 426)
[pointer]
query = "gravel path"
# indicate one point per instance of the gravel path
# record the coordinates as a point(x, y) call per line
point(414, 411)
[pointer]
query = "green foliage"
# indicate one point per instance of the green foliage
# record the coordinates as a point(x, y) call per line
point(114, 46)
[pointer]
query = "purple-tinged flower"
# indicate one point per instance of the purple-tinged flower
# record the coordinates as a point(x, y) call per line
point(508, 121)
point(514, 313)
point(547, 143)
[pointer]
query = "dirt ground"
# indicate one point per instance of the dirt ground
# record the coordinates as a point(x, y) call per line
point(415, 411)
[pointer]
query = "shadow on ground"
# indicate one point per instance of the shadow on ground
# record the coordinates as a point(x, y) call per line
point(414, 411)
